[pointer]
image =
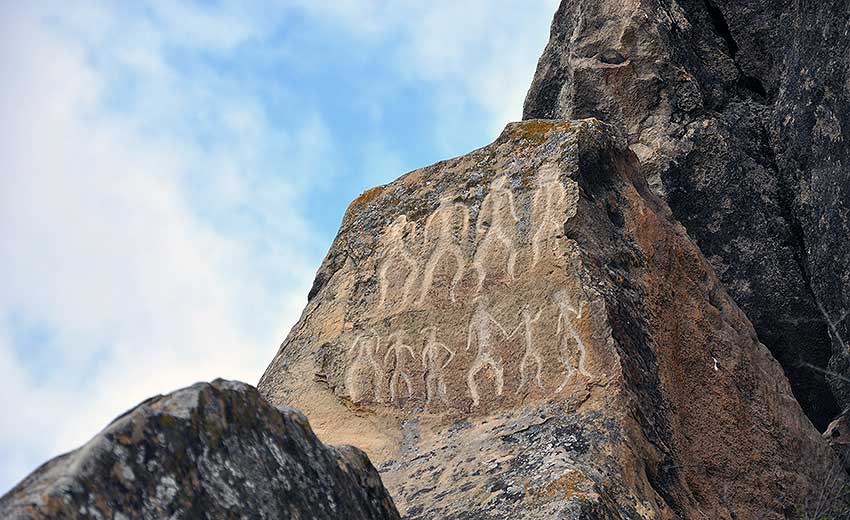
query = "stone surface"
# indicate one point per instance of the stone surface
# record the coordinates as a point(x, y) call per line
point(526, 332)
point(838, 437)
point(739, 111)
point(208, 451)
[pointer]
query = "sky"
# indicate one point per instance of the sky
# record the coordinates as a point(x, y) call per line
point(172, 174)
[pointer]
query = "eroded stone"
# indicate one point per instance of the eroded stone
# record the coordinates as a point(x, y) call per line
point(214, 450)
point(525, 332)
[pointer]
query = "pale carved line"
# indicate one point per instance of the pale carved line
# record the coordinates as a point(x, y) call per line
point(446, 243)
point(479, 325)
point(532, 354)
point(435, 384)
point(397, 349)
point(397, 249)
point(362, 357)
point(548, 198)
point(568, 312)
point(499, 200)
point(482, 328)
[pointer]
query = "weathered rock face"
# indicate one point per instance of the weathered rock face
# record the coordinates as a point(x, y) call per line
point(525, 332)
point(208, 451)
point(838, 437)
point(740, 114)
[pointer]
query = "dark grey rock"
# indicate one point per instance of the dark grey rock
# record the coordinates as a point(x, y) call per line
point(214, 450)
point(739, 113)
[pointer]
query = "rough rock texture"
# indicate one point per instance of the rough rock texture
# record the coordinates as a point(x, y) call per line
point(208, 451)
point(739, 111)
point(838, 437)
point(525, 332)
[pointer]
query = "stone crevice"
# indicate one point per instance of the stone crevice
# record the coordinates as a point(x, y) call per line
point(801, 256)
point(749, 82)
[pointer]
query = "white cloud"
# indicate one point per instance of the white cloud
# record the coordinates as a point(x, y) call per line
point(103, 246)
point(155, 236)
point(481, 51)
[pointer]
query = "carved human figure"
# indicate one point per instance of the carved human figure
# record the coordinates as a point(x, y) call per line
point(396, 256)
point(396, 364)
point(432, 352)
point(532, 353)
point(547, 214)
point(481, 328)
point(364, 372)
point(568, 313)
point(446, 228)
point(495, 227)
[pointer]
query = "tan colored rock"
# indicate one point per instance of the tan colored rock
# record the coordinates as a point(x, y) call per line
point(524, 332)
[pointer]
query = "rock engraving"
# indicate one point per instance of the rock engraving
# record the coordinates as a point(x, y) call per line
point(395, 363)
point(548, 210)
point(397, 258)
point(496, 227)
point(364, 373)
point(532, 353)
point(446, 227)
point(481, 328)
point(568, 313)
point(432, 352)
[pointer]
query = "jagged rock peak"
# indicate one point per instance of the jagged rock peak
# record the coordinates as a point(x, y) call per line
point(739, 112)
point(212, 450)
point(525, 332)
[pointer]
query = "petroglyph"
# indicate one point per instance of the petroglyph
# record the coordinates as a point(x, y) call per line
point(568, 313)
point(532, 353)
point(480, 327)
point(435, 383)
point(495, 227)
point(447, 227)
point(364, 372)
point(396, 257)
point(549, 206)
point(394, 360)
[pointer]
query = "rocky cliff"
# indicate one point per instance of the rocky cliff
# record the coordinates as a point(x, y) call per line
point(547, 327)
point(739, 111)
point(208, 451)
point(526, 332)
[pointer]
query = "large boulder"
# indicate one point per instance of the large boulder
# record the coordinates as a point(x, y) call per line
point(739, 111)
point(525, 332)
point(214, 450)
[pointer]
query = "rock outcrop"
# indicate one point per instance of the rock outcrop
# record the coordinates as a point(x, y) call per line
point(526, 332)
point(739, 111)
point(208, 451)
point(838, 437)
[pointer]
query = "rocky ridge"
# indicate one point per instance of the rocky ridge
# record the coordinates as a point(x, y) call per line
point(216, 450)
point(526, 332)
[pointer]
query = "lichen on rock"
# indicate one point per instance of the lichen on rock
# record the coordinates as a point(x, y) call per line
point(212, 450)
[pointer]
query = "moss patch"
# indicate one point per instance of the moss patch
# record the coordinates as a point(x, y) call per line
point(367, 196)
point(536, 130)
point(570, 484)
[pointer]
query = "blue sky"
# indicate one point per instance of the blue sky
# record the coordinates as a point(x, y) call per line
point(171, 174)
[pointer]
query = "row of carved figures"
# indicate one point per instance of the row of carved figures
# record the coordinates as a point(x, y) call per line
point(446, 229)
point(366, 364)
